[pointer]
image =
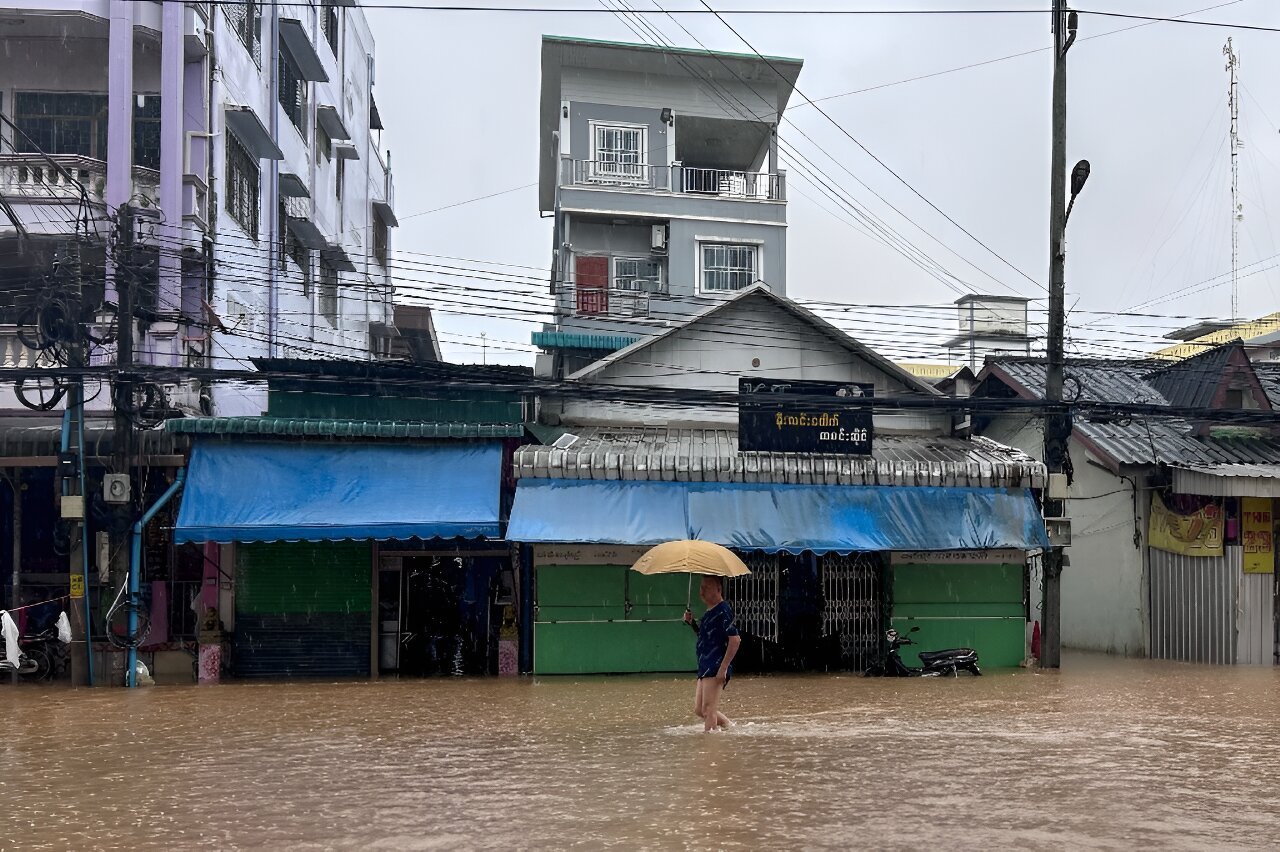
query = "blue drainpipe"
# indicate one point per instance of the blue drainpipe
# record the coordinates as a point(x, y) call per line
point(135, 566)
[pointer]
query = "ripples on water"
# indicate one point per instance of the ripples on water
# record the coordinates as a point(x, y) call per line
point(1105, 754)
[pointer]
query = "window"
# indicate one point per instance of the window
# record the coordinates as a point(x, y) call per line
point(324, 145)
point(75, 124)
point(618, 153)
point(292, 249)
point(728, 267)
point(341, 174)
point(328, 292)
point(380, 239)
point(293, 92)
point(329, 23)
point(246, 22)
point(643, 274)
point(242, 186)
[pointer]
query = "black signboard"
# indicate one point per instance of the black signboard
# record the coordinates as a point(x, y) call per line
point(803, 417)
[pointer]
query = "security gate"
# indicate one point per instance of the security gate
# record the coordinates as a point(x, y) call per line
point(754, 598)
point(852, 604)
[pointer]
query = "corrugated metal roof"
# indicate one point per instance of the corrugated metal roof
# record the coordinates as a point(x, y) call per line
point(1229, 480)
point(711, 455)
point(1193, 382)
point(46, 440)
point(1139, 440)
point(301, 427)
point(582, 340)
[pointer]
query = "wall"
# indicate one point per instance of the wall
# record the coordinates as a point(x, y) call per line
point(1104, 587)
point(582, 114)
point(683, 94)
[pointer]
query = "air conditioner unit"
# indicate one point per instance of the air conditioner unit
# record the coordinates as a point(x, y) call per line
point(660, 238)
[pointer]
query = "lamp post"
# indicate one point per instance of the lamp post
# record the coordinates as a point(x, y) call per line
point(1057, 421)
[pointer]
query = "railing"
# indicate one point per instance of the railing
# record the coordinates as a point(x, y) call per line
point(626, 299)
point(678, 178)
point(15, 353)
point(36, 177)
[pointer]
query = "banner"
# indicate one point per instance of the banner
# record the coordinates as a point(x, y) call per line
point(1256, 535)
point(1196, 534)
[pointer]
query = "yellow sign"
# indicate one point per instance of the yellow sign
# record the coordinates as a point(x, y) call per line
point(77, 585)
point(1197, 534)
point(1256, 535)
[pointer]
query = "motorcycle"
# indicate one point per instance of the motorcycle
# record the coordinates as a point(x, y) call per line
point(934, 663)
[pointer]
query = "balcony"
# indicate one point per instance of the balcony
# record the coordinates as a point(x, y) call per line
point(33, 184)
point(14, 353)
point(626, 300)
point(677, 179)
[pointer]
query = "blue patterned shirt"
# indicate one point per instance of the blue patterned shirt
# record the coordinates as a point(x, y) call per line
point(713, 639)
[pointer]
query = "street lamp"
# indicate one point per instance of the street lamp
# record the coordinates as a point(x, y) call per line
point(1079, 175)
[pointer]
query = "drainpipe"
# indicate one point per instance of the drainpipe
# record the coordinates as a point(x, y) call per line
point(135, 565)
point(273, 183)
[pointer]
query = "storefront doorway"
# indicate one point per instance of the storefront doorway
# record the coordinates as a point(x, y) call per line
point(439, 613)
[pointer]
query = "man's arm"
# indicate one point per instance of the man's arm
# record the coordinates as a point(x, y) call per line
point(732, 649)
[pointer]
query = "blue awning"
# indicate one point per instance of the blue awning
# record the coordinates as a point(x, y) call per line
point(772, 518)
point(310, 492)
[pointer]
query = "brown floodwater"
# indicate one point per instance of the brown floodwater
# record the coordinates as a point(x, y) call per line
point(1106, 753)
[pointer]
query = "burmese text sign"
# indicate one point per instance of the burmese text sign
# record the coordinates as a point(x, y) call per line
point(803, 417)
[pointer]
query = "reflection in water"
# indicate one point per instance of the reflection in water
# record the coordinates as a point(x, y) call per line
point(1105, 753)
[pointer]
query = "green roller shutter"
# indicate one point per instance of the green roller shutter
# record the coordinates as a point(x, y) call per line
point(976, 606)
point(602, 619)
point(303, 609)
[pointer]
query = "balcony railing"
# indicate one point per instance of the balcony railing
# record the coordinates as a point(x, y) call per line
point(627, 299)
point(676, 178)
point(35, 177)
point(15, 353)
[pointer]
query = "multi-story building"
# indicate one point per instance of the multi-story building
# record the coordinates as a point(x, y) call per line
point(243, 139)
point(660, 168)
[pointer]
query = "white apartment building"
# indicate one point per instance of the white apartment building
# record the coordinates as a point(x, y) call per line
point(244, 139)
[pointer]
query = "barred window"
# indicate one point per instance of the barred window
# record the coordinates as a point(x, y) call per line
point(75, 123)
point(246, 22)
point(329, 292)
point(293, 92)
point(242, 186)
point(329, 23)
point(727, 267)
point(300, 255)
point(380, 239)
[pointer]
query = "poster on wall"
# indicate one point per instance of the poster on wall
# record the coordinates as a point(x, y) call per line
point(1256, 535)
point(1198, 533)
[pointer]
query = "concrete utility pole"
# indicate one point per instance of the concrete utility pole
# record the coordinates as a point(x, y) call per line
point(1057, 423)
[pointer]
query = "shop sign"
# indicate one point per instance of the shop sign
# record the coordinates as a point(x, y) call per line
point(1007, 556)
point(803, 417)
point(1196, 534)
point(1256, 535)
point(587, 554)
point(77, 585)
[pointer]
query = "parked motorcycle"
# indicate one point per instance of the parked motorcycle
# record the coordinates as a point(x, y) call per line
point(934, 663)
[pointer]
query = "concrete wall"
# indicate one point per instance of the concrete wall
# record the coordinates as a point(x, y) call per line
point(1104, 589)
point(582, 114)
point(682, 93)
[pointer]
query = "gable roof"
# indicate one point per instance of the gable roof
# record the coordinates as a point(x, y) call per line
point(825, 328)
point(1195, 382)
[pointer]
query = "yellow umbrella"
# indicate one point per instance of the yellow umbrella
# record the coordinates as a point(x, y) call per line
point(691, 557)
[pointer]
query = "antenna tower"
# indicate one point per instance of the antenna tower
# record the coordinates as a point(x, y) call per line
point(1237, 209)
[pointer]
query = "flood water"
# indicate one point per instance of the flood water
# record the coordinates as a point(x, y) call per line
point(1104, 754)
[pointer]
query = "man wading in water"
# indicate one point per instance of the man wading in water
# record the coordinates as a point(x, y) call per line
point(718, 642)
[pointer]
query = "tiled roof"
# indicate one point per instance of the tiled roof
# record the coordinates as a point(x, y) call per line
point(582, 340)
point(711, 455)
point(302, 427)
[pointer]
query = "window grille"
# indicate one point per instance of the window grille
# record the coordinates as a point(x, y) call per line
point(728, 267)
point(852, 606)
point(754, 597)
point(246, 22)
point(242, 186)
point(619, 152)
point(641, 274)
point(329, 292)
point(329, 23)
point(292, 91)
point(380, 239)
point(75, 124)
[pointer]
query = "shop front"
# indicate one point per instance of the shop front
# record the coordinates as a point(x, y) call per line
point(839, 548)
point(343, 559)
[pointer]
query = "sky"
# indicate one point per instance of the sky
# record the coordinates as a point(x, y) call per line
point(1147, 106)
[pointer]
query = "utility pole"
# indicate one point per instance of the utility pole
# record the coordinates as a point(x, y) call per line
point(122, 392)
point(1237, 209)
point(1057, 424)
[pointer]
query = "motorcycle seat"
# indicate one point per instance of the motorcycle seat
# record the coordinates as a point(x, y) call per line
point(927, 657)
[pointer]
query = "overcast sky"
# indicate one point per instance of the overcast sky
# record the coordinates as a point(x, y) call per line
point(458, 92)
